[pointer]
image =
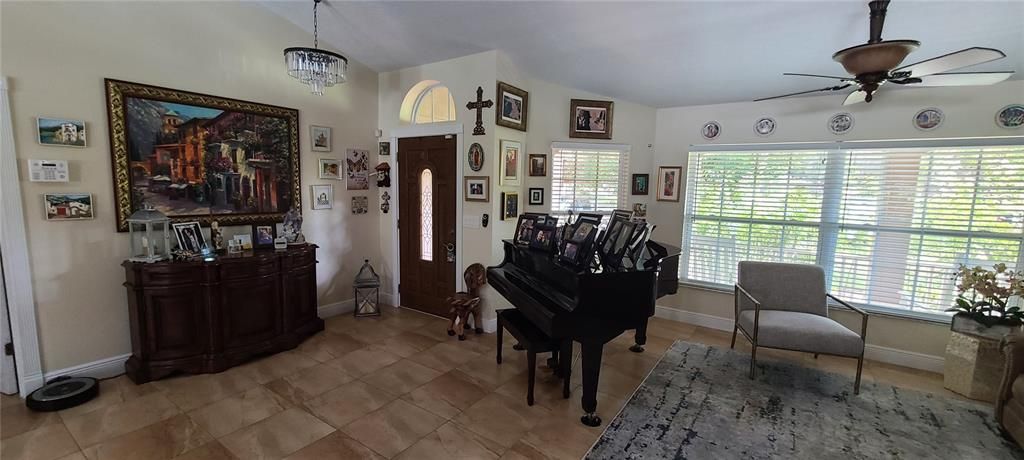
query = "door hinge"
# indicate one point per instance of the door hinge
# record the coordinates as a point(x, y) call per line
point(9, 349)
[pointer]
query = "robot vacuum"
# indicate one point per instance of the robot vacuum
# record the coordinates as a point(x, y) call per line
point(62, 393)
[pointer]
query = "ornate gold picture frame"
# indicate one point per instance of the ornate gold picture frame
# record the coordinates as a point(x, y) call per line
point(197, 157)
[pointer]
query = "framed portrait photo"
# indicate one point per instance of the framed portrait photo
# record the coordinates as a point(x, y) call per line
point(509, 205)
point(641, 184)
point(189, 236)
point(536, 196)
point(590, 119)
point(669, 178)
point(330, 169)
point(513, 105)
point(511, 160)
point(320, 138)
point(538, 165)
point(384, 148)
point(68, 206)
point(322, 196)
point(477, 188)
point(263, 236)
point(61, 132)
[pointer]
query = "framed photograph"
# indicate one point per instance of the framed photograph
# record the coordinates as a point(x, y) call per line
point(478, 188)
point(536, 196)
point(590, 119)
point(360, 204)
point(244, 242)
point(61, 132)
point(513, 104)
point(509, 173)
point(263, 236)
point(68, 206)
point(538, 164)
point(509, 205)
point(384, 148)
point(323, 196)
point(200, 158)
point(641, 184)
point(543, 237)
point(357, 171)
point(330, 169)
point(582, 232)
point(190, 237)
point(524, 228)
point(320, 138)
point(668, 182)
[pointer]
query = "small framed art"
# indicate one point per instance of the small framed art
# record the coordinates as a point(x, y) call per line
point(668, 183)
point(322, 196)
point(263, 236)
point(538, 165)
point(357, 174)
point(68, 206)
point(510, 163)
point(190, 237)
point(513, 107)
point(536, 196)
point(61, 132)
point(478, 188)
point(330, 169)
point(384, 148)
point(320, 138)
point(475, 156)
point(641, 184)
point(360, 204)
point(590, 119)
point(509, 205)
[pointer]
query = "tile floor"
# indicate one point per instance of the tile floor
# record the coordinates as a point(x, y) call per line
point(369, 388)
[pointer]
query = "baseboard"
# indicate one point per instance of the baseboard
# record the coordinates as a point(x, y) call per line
point(336, 308)
point(99, 369)
point(878, 353)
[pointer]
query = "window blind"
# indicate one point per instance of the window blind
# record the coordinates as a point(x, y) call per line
point(588, 178)
point(890, 225)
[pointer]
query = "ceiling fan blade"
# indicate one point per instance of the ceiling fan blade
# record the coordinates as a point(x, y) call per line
point(959, 79)
point(856, 97)
point(849, 79)
point(830, 88)
point(952, 61)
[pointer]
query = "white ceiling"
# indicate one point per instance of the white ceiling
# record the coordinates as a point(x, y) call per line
point(660, 54)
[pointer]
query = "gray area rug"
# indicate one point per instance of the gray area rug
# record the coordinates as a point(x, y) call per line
point(699, 404)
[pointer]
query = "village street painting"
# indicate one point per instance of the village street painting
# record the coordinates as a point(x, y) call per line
point(68, 206)
point(189, 160)
point(61, 132)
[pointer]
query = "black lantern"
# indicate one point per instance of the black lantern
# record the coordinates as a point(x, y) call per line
point(367, 291)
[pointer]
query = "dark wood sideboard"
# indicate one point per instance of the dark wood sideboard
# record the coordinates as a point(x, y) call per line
point(203, 317)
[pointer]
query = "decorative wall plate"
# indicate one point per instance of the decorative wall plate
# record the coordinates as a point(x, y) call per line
point(1011, 116)
point(476, 157)
point(928, 119)
point(711, 130)
point(764, 126)
point(840, 123)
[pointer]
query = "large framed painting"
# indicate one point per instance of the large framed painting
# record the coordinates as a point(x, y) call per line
point(513, 105)
point(590, 119)
point(200, 158)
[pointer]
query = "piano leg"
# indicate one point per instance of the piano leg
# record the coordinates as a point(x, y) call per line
point(591, 374)
point(566, 356)
point(501, 332)
point(640, 337)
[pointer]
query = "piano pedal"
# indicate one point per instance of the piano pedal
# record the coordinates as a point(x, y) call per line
point(637, 348)
point(591, 419)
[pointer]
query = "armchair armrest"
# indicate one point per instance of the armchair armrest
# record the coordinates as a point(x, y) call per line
point(757, 308)
point(1013, 348)
point(863, 315)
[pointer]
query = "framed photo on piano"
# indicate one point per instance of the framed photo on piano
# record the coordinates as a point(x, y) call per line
point(524, 228)
point(578, 247)
point(543, 237)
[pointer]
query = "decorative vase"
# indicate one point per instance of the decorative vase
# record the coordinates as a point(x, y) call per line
point(974, 363)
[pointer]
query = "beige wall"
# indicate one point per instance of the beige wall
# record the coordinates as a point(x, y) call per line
point(57, 54)
point(969, 111)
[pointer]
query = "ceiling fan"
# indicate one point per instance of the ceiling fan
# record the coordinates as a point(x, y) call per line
point(877, 62)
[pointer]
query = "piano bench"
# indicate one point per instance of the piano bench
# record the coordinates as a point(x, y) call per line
point(535, 341)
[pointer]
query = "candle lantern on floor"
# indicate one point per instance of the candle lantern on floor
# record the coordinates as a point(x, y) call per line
point(149, 235)
point(367, 291)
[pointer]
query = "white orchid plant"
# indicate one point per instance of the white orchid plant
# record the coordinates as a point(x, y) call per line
point(990, 296)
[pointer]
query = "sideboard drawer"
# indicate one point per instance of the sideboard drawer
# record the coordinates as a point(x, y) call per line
point(165, 274)
point(248, 269)
point(300, 258)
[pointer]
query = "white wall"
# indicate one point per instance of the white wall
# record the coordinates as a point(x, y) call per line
point(970, 112)
point(57, 54)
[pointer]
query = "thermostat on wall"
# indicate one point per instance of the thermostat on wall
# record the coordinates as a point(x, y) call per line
point(48, 170)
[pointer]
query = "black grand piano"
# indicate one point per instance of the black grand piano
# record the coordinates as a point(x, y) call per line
point(587, 305)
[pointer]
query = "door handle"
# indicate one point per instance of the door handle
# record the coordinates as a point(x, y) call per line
point(449, 252)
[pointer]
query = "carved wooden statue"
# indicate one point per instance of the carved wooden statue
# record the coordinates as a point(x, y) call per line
point(467, 303)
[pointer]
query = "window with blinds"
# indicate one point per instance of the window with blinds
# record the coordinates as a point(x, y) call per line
point(890, 225)
point(588, 177)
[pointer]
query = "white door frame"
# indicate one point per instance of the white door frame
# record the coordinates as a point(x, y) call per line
point(17, 268)
point(431, 129)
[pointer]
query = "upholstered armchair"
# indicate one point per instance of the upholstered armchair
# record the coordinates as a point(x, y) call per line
point(1010, 404)
point(785, 306)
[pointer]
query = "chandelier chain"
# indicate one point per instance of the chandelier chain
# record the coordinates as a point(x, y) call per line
point(316, 43)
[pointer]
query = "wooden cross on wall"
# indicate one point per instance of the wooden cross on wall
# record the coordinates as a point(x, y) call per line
point(479, 106)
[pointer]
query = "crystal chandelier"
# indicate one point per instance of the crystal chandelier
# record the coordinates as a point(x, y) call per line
point(313, 66)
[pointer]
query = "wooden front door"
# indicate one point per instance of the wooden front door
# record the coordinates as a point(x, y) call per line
point(426, 222)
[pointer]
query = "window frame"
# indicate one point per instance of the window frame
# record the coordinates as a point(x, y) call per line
point(622, 197)
point(832, 202)
point(429, 92)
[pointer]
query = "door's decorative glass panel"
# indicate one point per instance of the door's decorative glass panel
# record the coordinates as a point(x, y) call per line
point(426, 215)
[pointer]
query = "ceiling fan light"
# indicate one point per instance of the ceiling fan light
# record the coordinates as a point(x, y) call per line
point(875, 57)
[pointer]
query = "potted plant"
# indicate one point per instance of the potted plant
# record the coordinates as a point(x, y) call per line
point(986, 297)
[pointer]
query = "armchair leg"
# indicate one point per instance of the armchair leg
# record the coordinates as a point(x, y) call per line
point(734, 328)
point(753, 360)
point(856, 383)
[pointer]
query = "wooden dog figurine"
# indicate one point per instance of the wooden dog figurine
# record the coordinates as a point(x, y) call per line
point(467, 303)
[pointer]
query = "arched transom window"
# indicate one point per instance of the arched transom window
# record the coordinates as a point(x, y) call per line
point(428, 102)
